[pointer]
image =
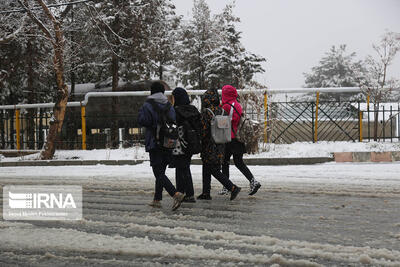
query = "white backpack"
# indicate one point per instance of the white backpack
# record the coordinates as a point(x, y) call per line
point(221, 127)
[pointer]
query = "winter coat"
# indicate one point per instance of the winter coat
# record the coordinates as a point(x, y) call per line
point(229, 97)
point(148, 118)
point(211, 153)
point(184, 112)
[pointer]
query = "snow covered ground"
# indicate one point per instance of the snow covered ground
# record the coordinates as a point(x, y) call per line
point(327, 214)
point(295, 150)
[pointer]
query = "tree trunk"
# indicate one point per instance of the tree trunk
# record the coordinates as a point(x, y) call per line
point(114, 107)
point(41, 137)
point(57, 119)
point(160, 71)
point(2, 132)
point(57, 40)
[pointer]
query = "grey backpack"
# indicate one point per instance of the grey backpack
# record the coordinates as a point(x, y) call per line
point(220, 128)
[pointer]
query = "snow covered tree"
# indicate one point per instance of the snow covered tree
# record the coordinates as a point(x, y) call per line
point(55, 36)
point(378, 85)
point(336, 69)
point(199, 39)
point(112, 19)
point(163, 37)
point(28, 75)
point(211, 50)
point(224, 67)
point(230, 63)
point(153, 38)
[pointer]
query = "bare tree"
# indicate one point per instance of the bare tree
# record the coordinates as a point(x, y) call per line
point(56, 38)
point(378, 86)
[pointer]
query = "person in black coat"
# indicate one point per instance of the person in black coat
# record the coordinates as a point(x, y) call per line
point(186, 114)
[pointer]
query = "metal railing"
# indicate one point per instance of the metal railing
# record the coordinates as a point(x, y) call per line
point(85, 127)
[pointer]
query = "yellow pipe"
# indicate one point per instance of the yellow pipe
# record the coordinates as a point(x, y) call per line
point(361, 126)
point(316, 119)
point(368, 100)
point(18, 128)
point(83, 117)
point(265, 117)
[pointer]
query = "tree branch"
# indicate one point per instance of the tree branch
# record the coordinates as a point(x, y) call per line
point(65, 12)
point(12, 36)
point(37, 21)
point(47, 11)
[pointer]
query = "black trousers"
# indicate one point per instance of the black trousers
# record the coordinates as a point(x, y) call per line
point(214, 170)
point(236, 149)
point(159, 162)
point(184, 181)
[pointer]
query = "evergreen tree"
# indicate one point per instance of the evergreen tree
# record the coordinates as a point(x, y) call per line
point(25, 70)
point(212, 52)
point(231, 63)
point(154, 35)
point(336, 69)
point(199, 39)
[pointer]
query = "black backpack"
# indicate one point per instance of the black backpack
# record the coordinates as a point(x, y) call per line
point(166, 132)
point(191, 137)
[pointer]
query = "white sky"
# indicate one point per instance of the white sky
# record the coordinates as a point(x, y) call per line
point(293, 35)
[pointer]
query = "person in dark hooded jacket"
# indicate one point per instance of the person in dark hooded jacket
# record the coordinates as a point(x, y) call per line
point(212, 154)
point(159, 159)
point(186, 116)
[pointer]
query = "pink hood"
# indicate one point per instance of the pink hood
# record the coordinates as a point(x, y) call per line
point(229, 96)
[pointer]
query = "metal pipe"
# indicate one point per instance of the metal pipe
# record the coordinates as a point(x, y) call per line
point(18, 128)
point(360, 125)
point(316, 118)
point(265, 117)
point(83, 130)
point(190, 92)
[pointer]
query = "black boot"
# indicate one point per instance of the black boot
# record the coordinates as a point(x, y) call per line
point(204, 196)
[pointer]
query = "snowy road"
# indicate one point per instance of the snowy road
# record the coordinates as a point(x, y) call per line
point(328, 214)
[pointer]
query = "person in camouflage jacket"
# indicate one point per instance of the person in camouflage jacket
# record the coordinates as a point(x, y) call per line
point(212, 154)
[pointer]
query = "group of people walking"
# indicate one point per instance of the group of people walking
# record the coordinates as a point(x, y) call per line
point(192, 124)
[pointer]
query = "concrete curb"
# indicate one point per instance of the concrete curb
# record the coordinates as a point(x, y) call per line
point(277, 161)
point(249, 161)
point(17, 153)
point(367, 156)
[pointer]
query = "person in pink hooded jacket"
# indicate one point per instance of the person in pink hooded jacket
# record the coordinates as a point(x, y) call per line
point(235, 148)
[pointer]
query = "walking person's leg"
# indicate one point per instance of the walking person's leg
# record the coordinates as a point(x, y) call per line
point(216, 172)
point(227, 159)
point(156, 160)
point(188, 185)
point(225, 166)
point(159, 173)
point(206, 175)
point(239, 163)
point(180, 179)
point(158, 190)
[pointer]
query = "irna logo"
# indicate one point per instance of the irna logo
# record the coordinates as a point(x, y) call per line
point(40, 201)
